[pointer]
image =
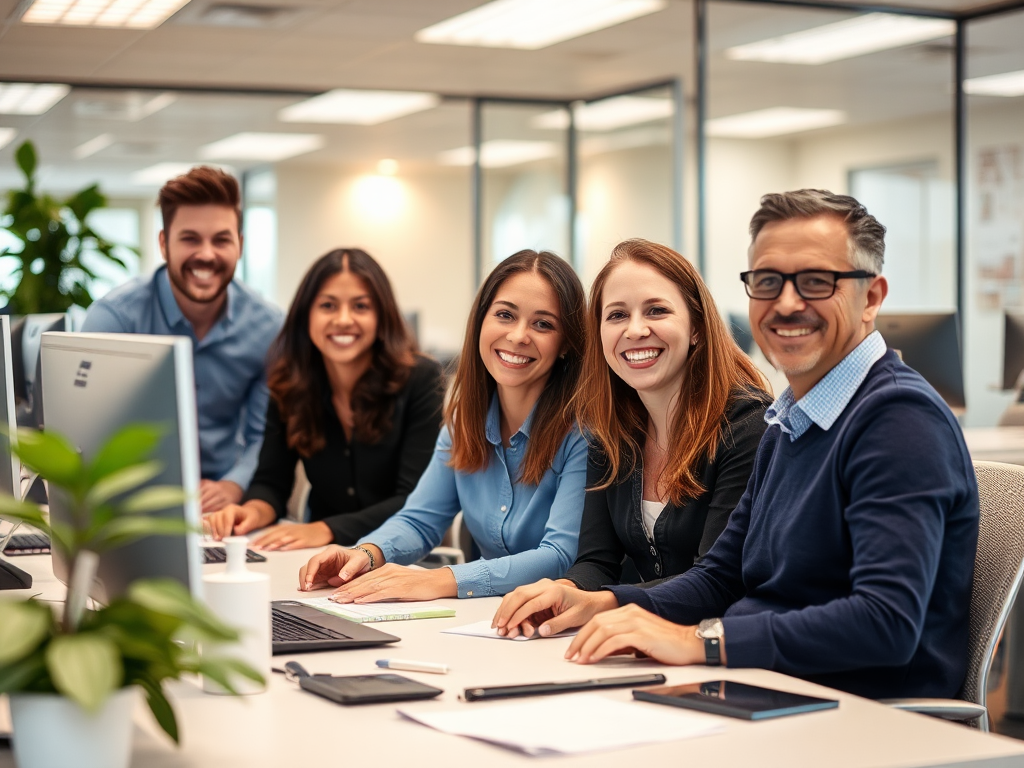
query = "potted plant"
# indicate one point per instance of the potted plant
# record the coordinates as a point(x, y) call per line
point(51, 273)
point(80, 668)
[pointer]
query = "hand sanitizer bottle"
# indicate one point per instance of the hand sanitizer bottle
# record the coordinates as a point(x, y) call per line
point(241, 599)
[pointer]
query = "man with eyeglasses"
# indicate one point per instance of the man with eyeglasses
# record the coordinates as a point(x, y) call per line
point(849, 559)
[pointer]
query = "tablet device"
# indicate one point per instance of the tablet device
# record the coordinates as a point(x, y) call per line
point(725, 697)
point(367, 689)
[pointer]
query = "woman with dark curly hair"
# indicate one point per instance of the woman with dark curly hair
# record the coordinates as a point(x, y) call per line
point(351, 399)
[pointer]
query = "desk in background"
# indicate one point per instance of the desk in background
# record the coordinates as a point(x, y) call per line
point(288, 727)
point(1004, 444)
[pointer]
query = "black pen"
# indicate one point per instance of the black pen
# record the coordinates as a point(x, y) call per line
point(567, 686)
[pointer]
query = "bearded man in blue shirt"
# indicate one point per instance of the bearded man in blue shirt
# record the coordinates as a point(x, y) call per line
point(850, 557)
point(230, 325)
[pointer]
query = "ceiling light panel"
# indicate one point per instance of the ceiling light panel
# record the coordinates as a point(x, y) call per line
point(30, 98)
point(7, 136)
point(776, 121)
point(533, 24)
point(844, 40)
point(159, 174)
point(91, 147)
point(131, 14)
point(1004, 84)
point(270, 147)
point(608, 114)
point(358, 107)
point(500, 153)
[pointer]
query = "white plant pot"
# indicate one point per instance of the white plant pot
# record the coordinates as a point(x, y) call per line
point(51, 731)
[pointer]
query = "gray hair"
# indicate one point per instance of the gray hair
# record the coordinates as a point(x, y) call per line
point(866, 236)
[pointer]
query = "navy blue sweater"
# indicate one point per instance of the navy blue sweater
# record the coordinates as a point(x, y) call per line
point(849, 559)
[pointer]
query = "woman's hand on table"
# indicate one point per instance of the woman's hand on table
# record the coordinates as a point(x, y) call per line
point(631, 629)
point(335, 566)
point(237, 519)
point(398, 582)
point(548, 607)
point(297, 536)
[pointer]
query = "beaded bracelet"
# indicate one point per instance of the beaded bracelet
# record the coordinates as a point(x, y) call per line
point(369, 554)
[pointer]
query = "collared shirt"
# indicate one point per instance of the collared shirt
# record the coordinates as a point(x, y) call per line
point(830, 396)
point(524, 532)
point(229, 364)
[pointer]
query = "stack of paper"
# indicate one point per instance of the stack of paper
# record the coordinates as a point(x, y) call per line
point(365, 612)
point(557, 726)
point(484, 629)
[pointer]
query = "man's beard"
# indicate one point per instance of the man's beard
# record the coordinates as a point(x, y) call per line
point(180, 281)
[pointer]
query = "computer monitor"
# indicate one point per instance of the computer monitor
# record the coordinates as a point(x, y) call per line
point(929, 342)
point(10, 468)
point(1013, 348)
point(93, 385)
point(27, 333)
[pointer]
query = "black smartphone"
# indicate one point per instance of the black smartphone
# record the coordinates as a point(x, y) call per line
point(725, 697)
point(367, 689)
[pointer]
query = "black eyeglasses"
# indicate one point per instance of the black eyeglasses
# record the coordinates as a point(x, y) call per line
point(810, 284)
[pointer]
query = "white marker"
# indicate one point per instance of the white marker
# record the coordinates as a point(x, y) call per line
point(414, 666)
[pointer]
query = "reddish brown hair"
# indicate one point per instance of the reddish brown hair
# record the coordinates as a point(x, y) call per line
point(202, 185)
point(716, 372)
point(298, 379)
point(473, 387)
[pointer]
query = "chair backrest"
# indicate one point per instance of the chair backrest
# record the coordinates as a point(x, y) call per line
point(998, 568)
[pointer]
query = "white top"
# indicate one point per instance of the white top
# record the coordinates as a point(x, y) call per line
point(651, 511)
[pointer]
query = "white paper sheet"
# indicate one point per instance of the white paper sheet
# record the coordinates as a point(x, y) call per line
point(559, 726)
point(366, 612)
point(484, 629)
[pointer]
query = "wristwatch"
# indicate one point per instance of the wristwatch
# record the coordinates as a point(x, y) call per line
point(712, 632)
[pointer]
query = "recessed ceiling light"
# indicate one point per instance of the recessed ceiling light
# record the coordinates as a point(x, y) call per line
point(844, 39)
point(30, 98)
point(775, 121)
point(262, 146)
point(608, 114)
point(91, 147)
point(500, 153)
point(387, 167)
point(533, 24)
point(159, 174)
point(358, 107)
point(1005, 84)
point(7, 136)
point(134, 14)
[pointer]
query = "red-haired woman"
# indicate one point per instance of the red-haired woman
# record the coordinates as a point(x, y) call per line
point(351, 399)
point(675, 411)
point(510, 455)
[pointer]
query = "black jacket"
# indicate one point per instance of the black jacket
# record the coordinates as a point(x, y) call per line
point(612, 532)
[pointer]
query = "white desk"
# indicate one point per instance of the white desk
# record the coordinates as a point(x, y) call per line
point(288, 727)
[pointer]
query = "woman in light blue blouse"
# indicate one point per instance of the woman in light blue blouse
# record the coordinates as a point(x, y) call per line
point(509, 456)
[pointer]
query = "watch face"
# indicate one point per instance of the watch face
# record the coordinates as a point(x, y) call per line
point(710, 628)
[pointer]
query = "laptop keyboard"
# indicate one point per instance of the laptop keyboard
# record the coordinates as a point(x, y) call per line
point(286, 627)
point(28, 544)
point(220, 555)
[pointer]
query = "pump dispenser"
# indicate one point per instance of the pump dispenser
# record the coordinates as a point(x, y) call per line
point(241, 599)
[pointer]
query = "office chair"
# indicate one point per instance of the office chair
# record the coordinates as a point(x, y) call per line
point(998, 571)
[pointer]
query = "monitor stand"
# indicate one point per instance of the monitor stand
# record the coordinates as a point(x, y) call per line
point(12, 577)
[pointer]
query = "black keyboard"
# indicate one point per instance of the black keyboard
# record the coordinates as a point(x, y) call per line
point(28, 544)
point(220, 555)
point(286, 627)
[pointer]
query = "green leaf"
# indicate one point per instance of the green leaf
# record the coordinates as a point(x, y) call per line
point(222, 670)
point(49, 454)
point(171, 598)
point(85, 201)
point(27, 674)
point(23, 626)
point(26, 158)
point(161, 708)
point(85, 667)
point(125, 448)
point(122, 481)
point(124, 530)
point(154, 498)
point(22, 511)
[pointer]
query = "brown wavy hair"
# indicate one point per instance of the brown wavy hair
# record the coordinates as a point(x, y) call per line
point(717, 372)
point(297, 376)
point(473, 387)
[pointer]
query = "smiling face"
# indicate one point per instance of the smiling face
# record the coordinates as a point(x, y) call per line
point(521, 335)
point(201, 249)
point(343, 321)
point(646, 333)
point(806, 339)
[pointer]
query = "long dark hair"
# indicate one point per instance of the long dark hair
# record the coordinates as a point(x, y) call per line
point(473, 387)
point(717, 372)
point(298, 379)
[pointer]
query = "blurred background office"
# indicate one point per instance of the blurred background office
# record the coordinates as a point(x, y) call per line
point(443, 135)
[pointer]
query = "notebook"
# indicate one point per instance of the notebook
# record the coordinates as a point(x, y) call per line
point(368, 612)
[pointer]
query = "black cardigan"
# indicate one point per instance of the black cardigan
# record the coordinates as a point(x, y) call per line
point(612, 528)
point(356, 486)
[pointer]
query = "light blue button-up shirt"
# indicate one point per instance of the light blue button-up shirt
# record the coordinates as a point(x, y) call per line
point(830, 396)
point(524, 532)
point(229, 364)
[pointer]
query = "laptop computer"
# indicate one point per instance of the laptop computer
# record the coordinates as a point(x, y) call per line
point(299, 628)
